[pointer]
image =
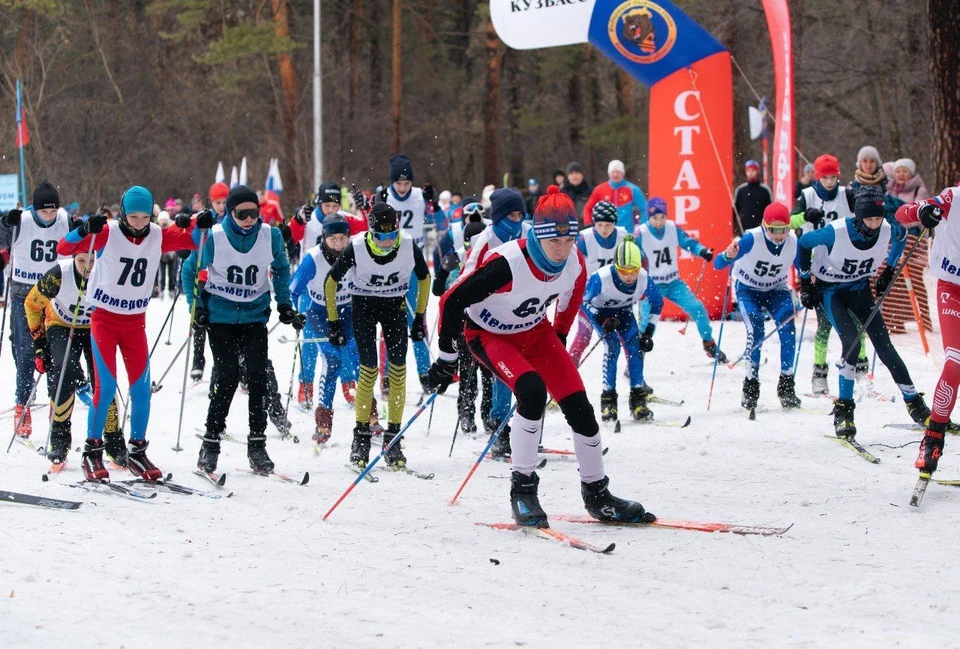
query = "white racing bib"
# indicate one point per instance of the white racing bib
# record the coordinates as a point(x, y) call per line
point(661, 253)
point(832, 210)
point(315, 285)
point(411, 212)
point(34, 251)
point(597, 256)
point(611, 297)
point(240, 276)
point(66, 300)
point(846, 263)
point(122, 277)
point(763, 270)
point(381, 280)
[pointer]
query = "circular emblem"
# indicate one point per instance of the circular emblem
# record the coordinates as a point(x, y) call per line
point(642, 31)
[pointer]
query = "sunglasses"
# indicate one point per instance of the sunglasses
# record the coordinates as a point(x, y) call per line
point(246, 215)
point(777, 229)
point(386, 236)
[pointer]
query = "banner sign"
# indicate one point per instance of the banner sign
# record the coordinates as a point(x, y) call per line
point(532, 24)
point(778, 22)
point(8, 192)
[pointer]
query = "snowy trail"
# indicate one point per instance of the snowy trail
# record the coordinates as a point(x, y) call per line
point(395, 566)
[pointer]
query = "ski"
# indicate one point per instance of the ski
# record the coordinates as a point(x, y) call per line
point(552, 535)
point(667, 402)
point(214, 478)
point(123, 490)
point(173, 487)
point(667, 424)
point(509, 460)
point(37, 501)
point(919, 489)
point(25, 441)
point(947, 483)
point(281, 477)
point(409, 471)
point(561, 451)
point(952, 428)
point(33, 406)
point(856, 447)
point(358, 470)
point(679, 524)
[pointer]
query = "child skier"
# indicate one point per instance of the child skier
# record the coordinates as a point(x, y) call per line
point(506, 301)
point(611, 292)
point(659, 238)
point(218, 204)
point(761, 262)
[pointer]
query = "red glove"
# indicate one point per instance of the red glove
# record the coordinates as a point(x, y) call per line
point(41, 354)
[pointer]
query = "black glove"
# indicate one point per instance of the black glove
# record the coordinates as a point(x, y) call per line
point(929, 215)
point(206, 219)
point(609, 325)
point(646, 338)
point(335, 335)
point(428, 192)
point(450, 262)
point(563, 338)
point(41, 354)
point(94, 224)
point(383, 194)
point(707, 253)
point(439, 286)
point(303, 214)
point(440, 374)
point(288, 315)
point(813, 215)
point(12, 218)
point(200, 317)
point(359, 200)
point(418, 330)
point(884, 280)
point(285, 233)
point(182, 221)
point(808, 294)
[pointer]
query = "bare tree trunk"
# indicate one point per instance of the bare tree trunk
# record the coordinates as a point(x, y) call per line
point(355, 56)
point(944, 54)
point(288, 82)
point(396, 81)
point(495, 50)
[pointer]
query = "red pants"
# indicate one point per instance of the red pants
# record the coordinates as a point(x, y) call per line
point(945, 394)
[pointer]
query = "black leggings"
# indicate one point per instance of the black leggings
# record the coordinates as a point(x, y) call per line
point(73, 375)
point(390, 313)
point(229, 343)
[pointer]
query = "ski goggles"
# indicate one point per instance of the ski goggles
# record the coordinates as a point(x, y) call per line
point(777, 229)
point(473, 208)
point(628, 271)
point(246, 215)
point(384, 237)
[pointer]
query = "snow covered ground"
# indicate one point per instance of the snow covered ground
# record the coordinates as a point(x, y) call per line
point(395, 566)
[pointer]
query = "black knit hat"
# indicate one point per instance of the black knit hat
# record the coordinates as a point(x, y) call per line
point(45, 196)
point(328, 193)
point(241, 194)
point(400, 168)
point(869, 202)
point(383, 218)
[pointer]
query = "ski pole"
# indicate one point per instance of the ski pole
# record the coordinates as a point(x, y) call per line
point(6, 290)
point(382, 453)
point(796, 357)
point(156, 385)
point(756, 346)
point(16, 426)
point(916, 310)
point(716, 358)
point(873, 365)
point(483, 454)
point(430, 419)
point(164, 325)
point(283, 340)
point(293, 372)
point(193, 313)
point(696, 294)
point(456, 429)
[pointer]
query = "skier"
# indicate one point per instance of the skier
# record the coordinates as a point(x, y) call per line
point(945, 266)
point(119, 289)
point(659, 239)
point(309, 280)
point(761, 261)
point(50, 308)
point(383, 261)
point(33, 251)
point(597, 245)
point(611, 292)
point(506, 300)
point(825, 201)
point(218, 204)
point(843, 256)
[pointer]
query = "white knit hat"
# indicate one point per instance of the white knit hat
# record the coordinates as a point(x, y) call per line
point(869, 153)
point(908, 164)
point(615, 165)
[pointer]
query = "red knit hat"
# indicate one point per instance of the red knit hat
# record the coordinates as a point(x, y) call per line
point(219, 192)
point(555, 215)
point(826, 165)
point(776, 213)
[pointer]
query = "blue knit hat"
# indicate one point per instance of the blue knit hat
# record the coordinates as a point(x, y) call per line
point(504, 201)
point(137, 199)
point(656, 205)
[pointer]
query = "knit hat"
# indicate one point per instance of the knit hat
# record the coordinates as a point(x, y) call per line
point(869, 202)
point(555, 215)
point(504, 201)
point(604, 212)
point(219, 191)
point(656, 205)
point(752, 164)
point(908, 164)
point(171, 204)
point(532, 182)
point(335, 224)
point(776, 213)
point(574, 167)
point(400, 168)
point(137, 199)
point(869, 153)
point(615, 165)
point(383, 218)
point(808, 168)
point(328, 192)
point(826, 165)
point(45, 196)
point(241, 194)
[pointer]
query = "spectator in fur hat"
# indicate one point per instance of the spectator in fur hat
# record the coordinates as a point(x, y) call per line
point(906, 185)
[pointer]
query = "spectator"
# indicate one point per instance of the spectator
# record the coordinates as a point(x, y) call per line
point(806, 179)
point(533, 195)
point(625, 196)
point(869, 169)
point(196, 204)
point(906, 185)
point(577, 188)
point(559, 178)
point(751, 198)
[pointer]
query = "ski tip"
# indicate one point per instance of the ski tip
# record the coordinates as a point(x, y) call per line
point(610, 548)
point(616, 427)
point(223, 480)
point(605, 449)
point(687, 422)
point(306, 478)
point(752, 414)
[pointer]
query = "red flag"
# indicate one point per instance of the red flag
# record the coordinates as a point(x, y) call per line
point(23, 133)
point(778, 22)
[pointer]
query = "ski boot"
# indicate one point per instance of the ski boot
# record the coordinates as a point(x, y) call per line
point(360, 449)
point(918, 410)
point(305, 396)
point(60, 440)
point(209, 453)
point(604, 506)
point(115, 447)
point(608, 405)
point(819, 385)
point(257, 453)
point(751, 393)
point(861, 369)
point(394, 456)
point(425, 388)
point(787, 393)
point(931, 447)
point(139, 464)
point(349, 391)
point(501, 445)
point(324, 419)
point(93, 461)
point(524, 502)
point(638, 405)
point(710, 347)
point(843, 423)
point(468, 425)
point(278, 416)
point(21, 420)
point(489, 426)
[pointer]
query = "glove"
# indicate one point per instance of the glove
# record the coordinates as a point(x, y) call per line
point(428, 192)
point(707, 253)
point(288, 315)
point(12, 218)
point(439, 286)
point(418, 330)
point(883, 281)
point(563, 339)
point(930, 216)
point(183, 221)
point(94, 224)
point(450, 262)
point(440, 374)
point(808, 294)
point(813, 215)
point(4, 258)
point(335, 335)
point(41, 354)
point(609, 325)
point(646, 339)
point(359, 200)
point(200, 317)
point(383, 194)
point(206, 220)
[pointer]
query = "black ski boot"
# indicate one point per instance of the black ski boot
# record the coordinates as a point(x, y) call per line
point(931, 448)
point(918, 410)
point(710, 347)
point(394, 456)
point(843, 424)
point(501, 446)
point(819, 384)
point(60, 440)
point(209, 453)
point(116, 447)
point(638, 405)
point(608, 405)
point(257, 453)
point(524, 501)
point(786, 391)
point(604, 506)
point(360, 449)
point(751, 393)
